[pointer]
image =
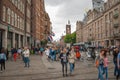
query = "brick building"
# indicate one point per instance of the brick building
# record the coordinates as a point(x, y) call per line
point(101, 28)
point(14, 23)
point(22, 22)
point(41, 25)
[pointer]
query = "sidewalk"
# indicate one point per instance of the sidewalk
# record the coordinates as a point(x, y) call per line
point(42, 69)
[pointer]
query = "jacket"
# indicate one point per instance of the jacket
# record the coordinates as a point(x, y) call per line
point(71, 57)
point(2, 56)
point(64, 58)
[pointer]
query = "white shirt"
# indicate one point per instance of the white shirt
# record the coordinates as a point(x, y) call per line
point(47, 51)
point(26, 53)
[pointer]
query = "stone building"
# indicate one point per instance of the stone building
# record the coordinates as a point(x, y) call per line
point(15, 23)
point(101, 28)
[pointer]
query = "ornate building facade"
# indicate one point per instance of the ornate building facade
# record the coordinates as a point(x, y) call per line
point(101, 28)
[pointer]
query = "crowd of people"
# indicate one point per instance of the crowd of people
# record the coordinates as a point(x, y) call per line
point(65, 56)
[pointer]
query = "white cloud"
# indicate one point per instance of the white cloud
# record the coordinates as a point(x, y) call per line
point(60, 11)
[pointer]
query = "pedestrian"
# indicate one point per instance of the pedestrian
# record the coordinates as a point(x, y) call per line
point(71, 60)
point(47, 52)
point(78, 55)
point(115, 54)
point(19, 51)
point(105, 69)
point(2, 59)
point(118, 65)
point(12, 52)
point(64, 61)
point(7, 54)
point(26, 54)
point(41, 51)
point(15, 54)
point(99, 62)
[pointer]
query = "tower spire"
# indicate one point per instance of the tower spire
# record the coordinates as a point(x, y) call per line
point(69, 22)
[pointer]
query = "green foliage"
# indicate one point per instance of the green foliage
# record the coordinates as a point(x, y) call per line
point(70, 38)
point(43, 42)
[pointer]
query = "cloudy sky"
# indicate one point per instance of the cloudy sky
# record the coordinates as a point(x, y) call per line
point(60, 11)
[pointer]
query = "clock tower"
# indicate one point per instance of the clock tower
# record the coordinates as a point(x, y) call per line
point(68, 28)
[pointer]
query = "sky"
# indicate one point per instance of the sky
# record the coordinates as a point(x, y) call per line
point(60, 11)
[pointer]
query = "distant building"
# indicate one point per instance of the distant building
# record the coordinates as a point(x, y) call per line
point(68, 28)
point(103, 28)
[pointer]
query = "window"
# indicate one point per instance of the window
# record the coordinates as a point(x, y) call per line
point(13, 1)
point(29, 1)
point(15, 20)
point(18, 21)
point(16, 3)
point(28, 27)
point(12, 15)
point(8, 15)
point(28, 13)
point(22, 26)
point(4, 13)
point(23, 8)
point(19, 4)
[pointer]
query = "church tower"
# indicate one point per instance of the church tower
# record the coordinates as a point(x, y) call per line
point(68, 28)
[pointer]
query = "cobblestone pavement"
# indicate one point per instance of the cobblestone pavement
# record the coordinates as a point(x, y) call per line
point(42, 69)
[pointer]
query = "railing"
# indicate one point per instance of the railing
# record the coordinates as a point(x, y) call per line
point(116, 15)
point(116, 25)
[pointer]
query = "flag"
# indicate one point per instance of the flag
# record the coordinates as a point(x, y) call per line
point(52, 33)
point(50, 38)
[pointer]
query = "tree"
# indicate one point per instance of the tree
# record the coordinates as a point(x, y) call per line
point(70, 38)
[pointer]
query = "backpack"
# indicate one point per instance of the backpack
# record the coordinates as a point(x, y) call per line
point(78, 54)
point(97, 61)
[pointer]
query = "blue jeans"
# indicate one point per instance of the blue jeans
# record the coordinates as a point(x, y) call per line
point(100, 71)
point(71, 67)
point(115, 69)
point(105, 71)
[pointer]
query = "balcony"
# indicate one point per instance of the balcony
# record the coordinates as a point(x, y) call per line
point(116, 25)
point(116, 35)
point(116, 15)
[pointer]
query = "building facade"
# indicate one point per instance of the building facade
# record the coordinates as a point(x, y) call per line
point(40, 22)
point(22, 23)
point(101, 28)
point(14, 23)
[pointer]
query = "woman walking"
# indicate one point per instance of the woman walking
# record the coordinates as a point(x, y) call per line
point(115, 54)
point(105, 69)
point(2, 59)
point(64, 61)
point(118, 65)
point(26, 54)
point(99, 64)
point(71, 59)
